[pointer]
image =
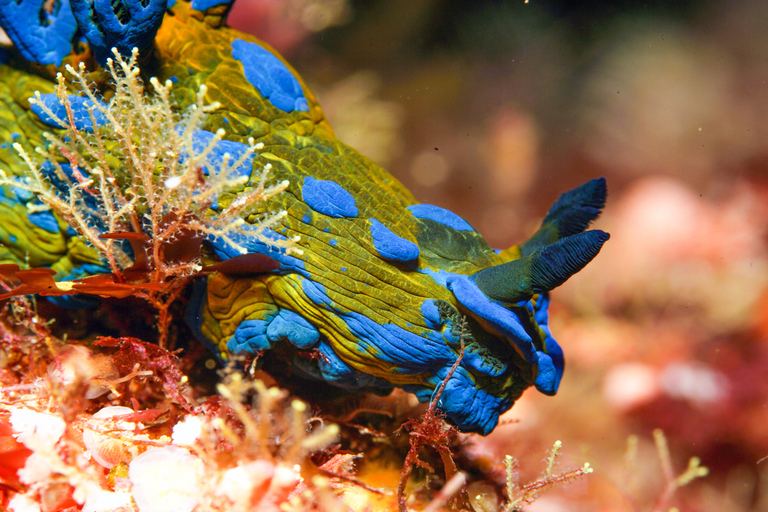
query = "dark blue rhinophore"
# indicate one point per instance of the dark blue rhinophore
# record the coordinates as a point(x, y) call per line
point(570, 215)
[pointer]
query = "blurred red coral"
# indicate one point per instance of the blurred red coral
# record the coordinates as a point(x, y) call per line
point(13, 455)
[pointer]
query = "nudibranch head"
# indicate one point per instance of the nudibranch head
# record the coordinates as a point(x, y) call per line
point(382, 293)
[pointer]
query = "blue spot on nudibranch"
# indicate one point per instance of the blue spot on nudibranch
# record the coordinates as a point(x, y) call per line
point(549, 363)
point(23, 195)
point(440, 215)
point(204, 5)
point(334, 368)
point(63, 183)
point(80, 114)
point(269, 75)
point(328, 198)
point(333, 242)
point(541, 314)
point(201, 139)
point(44, 220)
point(391, 246)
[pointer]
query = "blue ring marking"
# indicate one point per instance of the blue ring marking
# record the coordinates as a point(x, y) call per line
point(333, 369)
point(431, 314)
point(471, 408)
point(315, 292)
point(440, 215)
point(497, 316)
point(293, 327)
point(80, 114)
point(250, 336)
point(391, 246)
point(410, 352)
point(269, 76)
point(328, 198)
point(547, 375)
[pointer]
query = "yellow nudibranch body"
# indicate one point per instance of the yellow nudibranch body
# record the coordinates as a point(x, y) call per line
point(379, 292)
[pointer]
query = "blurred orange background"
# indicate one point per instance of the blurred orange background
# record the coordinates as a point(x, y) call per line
point(494, 108)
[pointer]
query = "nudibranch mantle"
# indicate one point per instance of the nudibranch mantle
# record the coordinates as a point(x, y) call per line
point(385, 292)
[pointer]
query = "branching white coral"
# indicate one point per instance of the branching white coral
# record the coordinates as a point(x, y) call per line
point(517, 495)
point(146, 171)
point(140, 167)
point(213, 461)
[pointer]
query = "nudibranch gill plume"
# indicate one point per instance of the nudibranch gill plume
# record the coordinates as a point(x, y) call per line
point(384, 292)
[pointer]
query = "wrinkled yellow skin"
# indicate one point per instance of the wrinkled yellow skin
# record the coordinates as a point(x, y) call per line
point(376, 317)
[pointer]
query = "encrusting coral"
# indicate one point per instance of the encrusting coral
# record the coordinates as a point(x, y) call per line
point(333, 276)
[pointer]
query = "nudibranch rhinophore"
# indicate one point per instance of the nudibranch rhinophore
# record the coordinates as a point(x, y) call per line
point(385, 292)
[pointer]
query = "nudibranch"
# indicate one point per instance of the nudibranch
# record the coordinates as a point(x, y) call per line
point(385, 293)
